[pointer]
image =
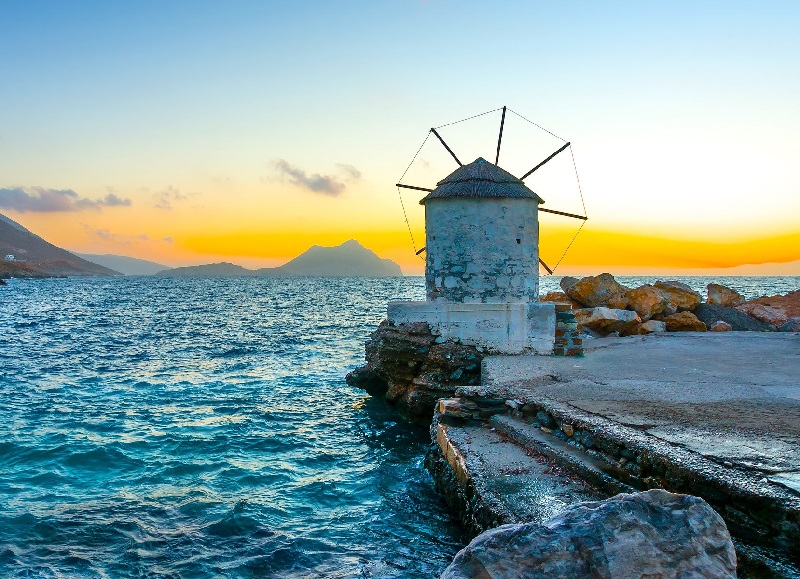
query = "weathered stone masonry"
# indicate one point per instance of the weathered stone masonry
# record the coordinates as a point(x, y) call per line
point(481, 250)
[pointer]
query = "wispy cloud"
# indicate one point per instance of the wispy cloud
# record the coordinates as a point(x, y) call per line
point(41, 200)
point(120, 239)
point(166, 198)
point(332, 185)
point(350, 172)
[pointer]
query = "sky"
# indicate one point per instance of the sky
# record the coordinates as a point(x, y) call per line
point(246, 131)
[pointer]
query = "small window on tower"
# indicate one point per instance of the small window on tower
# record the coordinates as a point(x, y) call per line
point(519, 241)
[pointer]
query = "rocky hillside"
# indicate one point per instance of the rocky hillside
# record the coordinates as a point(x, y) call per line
point(35, 257)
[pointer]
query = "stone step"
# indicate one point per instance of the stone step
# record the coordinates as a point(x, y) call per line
point(749, 502)
point(598, 473)
point(488, 480)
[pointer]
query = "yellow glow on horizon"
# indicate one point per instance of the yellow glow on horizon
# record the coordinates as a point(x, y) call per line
point(260, 236)
point(624, 251)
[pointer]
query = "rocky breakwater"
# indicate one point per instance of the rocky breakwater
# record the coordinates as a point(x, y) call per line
point(603, 306)
point(413, 368)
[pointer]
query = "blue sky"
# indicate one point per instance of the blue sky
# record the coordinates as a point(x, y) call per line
point(693, 100)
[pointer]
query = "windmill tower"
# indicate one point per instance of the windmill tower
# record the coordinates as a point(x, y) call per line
point(482, 259)
point(482, 237)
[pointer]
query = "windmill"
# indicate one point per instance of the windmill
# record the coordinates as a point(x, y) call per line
point(482, 257)
point(565, 146)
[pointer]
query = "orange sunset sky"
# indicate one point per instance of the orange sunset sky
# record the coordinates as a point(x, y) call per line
point(246, 132)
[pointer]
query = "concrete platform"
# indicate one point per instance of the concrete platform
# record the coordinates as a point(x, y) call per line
point(714, 415)
point(732, 397)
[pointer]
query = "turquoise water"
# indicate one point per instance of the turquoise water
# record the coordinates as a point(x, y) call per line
point(202, 428)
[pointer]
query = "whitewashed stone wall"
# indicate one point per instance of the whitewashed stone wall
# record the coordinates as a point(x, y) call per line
point(508, 328)
point(482, 250)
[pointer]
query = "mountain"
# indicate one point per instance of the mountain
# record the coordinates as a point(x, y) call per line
point(223, 269)
point(125, 265)
point(35, 257)
point(349, 259)
point(14, 224)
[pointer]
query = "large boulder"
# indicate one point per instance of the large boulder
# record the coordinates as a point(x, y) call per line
point(684, 322)
point(774, 310)
point(568, 281)
point(598, 291)
point(720, 295)
point(653, 327)
point(681, 297)
point(655, 534)
point(647, 301)
point(607, 320)
point(739, 321)
point(559, 298)
point(648, 327)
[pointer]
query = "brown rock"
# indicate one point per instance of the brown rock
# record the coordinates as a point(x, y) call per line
point(648, 327)
point(568, 281)
point(720, 295)
point(560, 298)
point(762, 313)
point(646, 301)
point(775, 310)
point(681, 297)
point(720, 326)
point(653, 327)
point(684, 322)
point(634, 329)
point(739, 321)
point(607, 320)
point(598, 291)
point(456, 407)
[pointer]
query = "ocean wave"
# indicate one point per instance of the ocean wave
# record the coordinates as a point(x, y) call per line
point(182, 428)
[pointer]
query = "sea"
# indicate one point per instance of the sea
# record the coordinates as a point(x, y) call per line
point(202, 427)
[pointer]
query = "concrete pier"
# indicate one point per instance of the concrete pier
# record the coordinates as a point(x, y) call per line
point(732, 397)
point(714, 415)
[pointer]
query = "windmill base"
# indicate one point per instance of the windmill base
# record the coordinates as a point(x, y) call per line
point(504, 328)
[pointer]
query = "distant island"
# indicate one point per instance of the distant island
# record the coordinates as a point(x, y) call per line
point(24, 254)
point(349, 259)
point(125, 265)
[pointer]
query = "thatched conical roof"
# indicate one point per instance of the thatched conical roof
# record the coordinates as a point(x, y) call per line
point(481, 179)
